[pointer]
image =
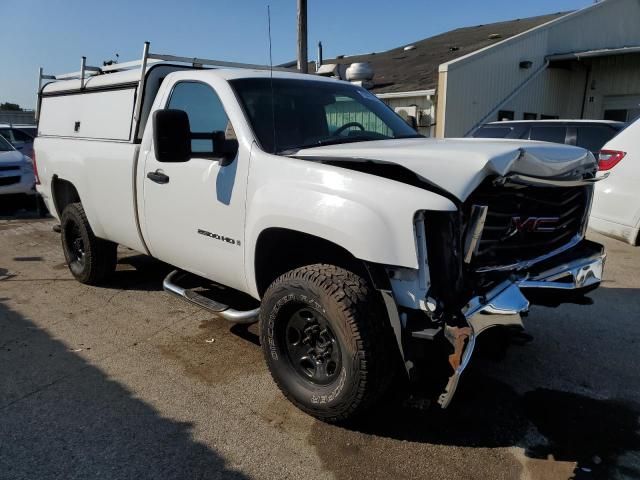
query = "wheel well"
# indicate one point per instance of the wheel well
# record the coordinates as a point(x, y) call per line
point(64, 193)
point(280, 250)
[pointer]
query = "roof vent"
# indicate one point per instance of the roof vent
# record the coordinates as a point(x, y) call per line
point(454, 49)
point(340, 56)
point(494, 36)
point(409, 47)
point(359, 72)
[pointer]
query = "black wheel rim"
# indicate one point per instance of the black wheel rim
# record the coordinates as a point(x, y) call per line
point(312, 348)
point(75, 244)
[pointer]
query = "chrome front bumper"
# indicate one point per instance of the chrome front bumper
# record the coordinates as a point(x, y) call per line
point(504, 305)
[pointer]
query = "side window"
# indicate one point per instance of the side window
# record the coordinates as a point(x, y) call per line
point(549, 134)
point(524, 135)
point(21, 136)
point(594, 138)
point(6, 133)
point(492, 132)
point(205, 111)
point(617, 115)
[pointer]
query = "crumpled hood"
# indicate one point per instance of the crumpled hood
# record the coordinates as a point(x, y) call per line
point(460, 165)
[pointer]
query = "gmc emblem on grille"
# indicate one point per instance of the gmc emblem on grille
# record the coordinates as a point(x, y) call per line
point(532, 225)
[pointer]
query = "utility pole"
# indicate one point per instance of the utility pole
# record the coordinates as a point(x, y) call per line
point(303, 63)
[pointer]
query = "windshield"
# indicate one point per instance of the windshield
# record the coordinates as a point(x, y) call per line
point(5, 146)
point(311, 113)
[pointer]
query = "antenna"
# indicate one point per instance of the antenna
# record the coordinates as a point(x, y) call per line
point(273, 105)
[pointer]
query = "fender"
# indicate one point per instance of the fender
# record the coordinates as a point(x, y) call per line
point(369, 216)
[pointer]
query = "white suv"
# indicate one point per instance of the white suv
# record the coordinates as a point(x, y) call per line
point(20, 136)
point(16, 171)
point(616, 206)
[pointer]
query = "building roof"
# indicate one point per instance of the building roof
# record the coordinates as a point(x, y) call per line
point(400, 70)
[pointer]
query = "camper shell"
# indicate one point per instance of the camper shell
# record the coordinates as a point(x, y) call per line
point(117, 98)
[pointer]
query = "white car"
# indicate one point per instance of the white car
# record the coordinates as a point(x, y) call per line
point(616, 206)
point(20, 136)
point(16, 171)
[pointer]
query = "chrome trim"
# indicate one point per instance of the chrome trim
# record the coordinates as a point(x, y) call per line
point(524, 264)
point(583, 273)
point(474, 232)
point(506, 304)
point(529, 263)
point(503, 309)
point(234, 316)
point(587, 212)
point(548, 182)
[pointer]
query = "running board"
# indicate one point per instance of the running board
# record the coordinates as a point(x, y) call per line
point(235, 316)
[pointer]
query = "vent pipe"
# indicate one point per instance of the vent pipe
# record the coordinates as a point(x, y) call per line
point(319, 63)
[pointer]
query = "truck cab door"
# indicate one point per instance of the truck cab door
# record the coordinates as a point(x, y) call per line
point(194, 211)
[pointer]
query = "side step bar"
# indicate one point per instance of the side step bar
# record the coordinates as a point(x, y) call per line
point(235, 316)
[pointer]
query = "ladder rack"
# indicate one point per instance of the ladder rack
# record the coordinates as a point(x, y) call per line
point(87, 71)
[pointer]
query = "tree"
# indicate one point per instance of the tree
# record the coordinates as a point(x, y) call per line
point(13, 107)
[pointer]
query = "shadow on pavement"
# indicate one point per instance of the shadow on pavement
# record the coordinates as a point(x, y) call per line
point(487, 413)
point(601, 435)
point(17, 207)
point(138, 272)
point(61, 417)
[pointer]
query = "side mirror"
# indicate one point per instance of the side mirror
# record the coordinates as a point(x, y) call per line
point(171, 135)
point(224, 148)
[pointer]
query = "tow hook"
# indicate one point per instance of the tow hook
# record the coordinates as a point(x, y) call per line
point(503, 306)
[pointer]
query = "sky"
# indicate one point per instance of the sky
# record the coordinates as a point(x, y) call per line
point(54, 34)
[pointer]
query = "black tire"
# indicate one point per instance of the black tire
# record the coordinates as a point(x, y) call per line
point(90, 259)
point(354, 321)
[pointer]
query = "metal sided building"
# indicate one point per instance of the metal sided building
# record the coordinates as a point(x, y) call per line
point(585, 64)
point(582, 64)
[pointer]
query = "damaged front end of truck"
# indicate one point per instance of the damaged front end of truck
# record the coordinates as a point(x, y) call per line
point(515, 241)
point(515, 238)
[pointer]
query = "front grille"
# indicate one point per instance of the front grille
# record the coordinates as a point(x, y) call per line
point(526, 222)
point(4, 181)
point(7, 168)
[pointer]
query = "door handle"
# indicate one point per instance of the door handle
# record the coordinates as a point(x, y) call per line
point(158, 177)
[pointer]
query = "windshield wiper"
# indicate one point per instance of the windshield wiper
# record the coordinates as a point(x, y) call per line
point(327, 141)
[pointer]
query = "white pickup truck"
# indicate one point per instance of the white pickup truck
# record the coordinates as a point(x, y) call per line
point(357, 245)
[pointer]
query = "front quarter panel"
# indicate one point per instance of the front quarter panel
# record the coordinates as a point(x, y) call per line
point(370, 216)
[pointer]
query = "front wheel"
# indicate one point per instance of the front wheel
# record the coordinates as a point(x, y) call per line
point(326, 340)
point(90, 259)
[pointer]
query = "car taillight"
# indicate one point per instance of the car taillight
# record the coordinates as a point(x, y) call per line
point(35, 167)
point(607, 159)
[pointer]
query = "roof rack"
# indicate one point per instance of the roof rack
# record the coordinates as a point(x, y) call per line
point(87, 71)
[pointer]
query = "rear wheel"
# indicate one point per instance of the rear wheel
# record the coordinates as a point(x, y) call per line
point(327, 342)
point(90, 259)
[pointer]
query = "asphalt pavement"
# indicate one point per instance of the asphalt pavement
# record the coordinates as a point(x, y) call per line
point(124, 381)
